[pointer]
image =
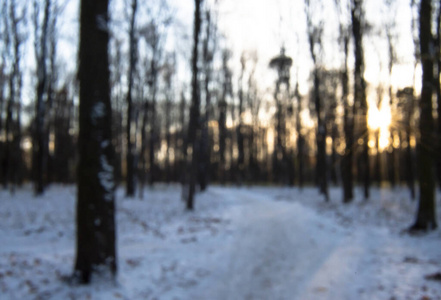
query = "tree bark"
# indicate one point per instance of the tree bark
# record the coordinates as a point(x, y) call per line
point(300, 140)
point(194, 126)
point(39, 163)
point(95, 219)
point(205, 145)
point(222, 106)
point(348, 124)
point(438, 91)
point(130, 157)
point(12, 160)
point(360, 100)
point(426, 214)
point(239, 128)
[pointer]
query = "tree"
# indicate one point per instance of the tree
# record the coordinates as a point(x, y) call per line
point(130, 157)
point(240, 126)
point(348, 110)
point(360, 101)
point(39, 162)
point(406, 100)
point(281, 163)
point(300, 139)
point(227, 91)
point(118, 100)
point(437, 85)
point(169, 72)
point(208, 49)
point(348, 128)
point(63, 141)
point(15, 37)
point(254, 103)
point(426, 213)
point(95, 252)
point(194, 126)
point(315, 32)
point(153, 34)
point(393, 167)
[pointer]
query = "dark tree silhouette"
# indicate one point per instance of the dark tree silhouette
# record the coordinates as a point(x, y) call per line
point(169, 72)
point(39, 147)
point(406, 100)
point(227, 91)
point(240, 126)
point(300, 140)
point(130, 157)
point(63, 155)
point(254, 103)
point(12, 163)
point(377, 158)
point(194, 126)
point(152, 38)
point(181, 150)
point(208, 49)
point(348, 110)
point(437, 86)
point(153, 83)
point(118, 99)
point(315, 32)
point(426, 213)
point(360, 101)
point(282, 64)
point(95, 253)
point(393, 154)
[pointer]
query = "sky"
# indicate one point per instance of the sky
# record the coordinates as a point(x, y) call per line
point(264, 26)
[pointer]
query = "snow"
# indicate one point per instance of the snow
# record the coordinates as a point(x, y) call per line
point(105, 176)
point(101, 23)
point(239, 243)
point(98, 111)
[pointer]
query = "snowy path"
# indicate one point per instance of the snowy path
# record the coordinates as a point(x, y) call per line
point(274, 254)
point(284, 250)
point(239, 243)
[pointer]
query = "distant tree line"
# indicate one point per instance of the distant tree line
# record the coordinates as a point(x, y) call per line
point(218, 126)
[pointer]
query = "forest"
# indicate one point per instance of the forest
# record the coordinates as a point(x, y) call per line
point(339, 97)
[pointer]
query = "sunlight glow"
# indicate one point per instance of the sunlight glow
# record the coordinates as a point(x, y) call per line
point(380, 119)
point(384, 138)
point(270, 139)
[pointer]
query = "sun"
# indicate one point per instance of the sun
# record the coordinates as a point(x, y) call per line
point(380, 119)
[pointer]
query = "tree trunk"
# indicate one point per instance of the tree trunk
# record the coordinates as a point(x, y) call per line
point(194, 126)
point(12, 161)
point(437, 86)
point(360, 102)
point(239, 128)
point(426, 214)
point(39, 146)
point(377, 164)
point(207, 55)
point(130, 157)
point(321, 168)
point(348, 124)
point(222, 106)
point(142, 155)
point(300, 139)
point(153, 133)
point(95, 252)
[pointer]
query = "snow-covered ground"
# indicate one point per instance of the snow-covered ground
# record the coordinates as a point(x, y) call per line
point(240, 243)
